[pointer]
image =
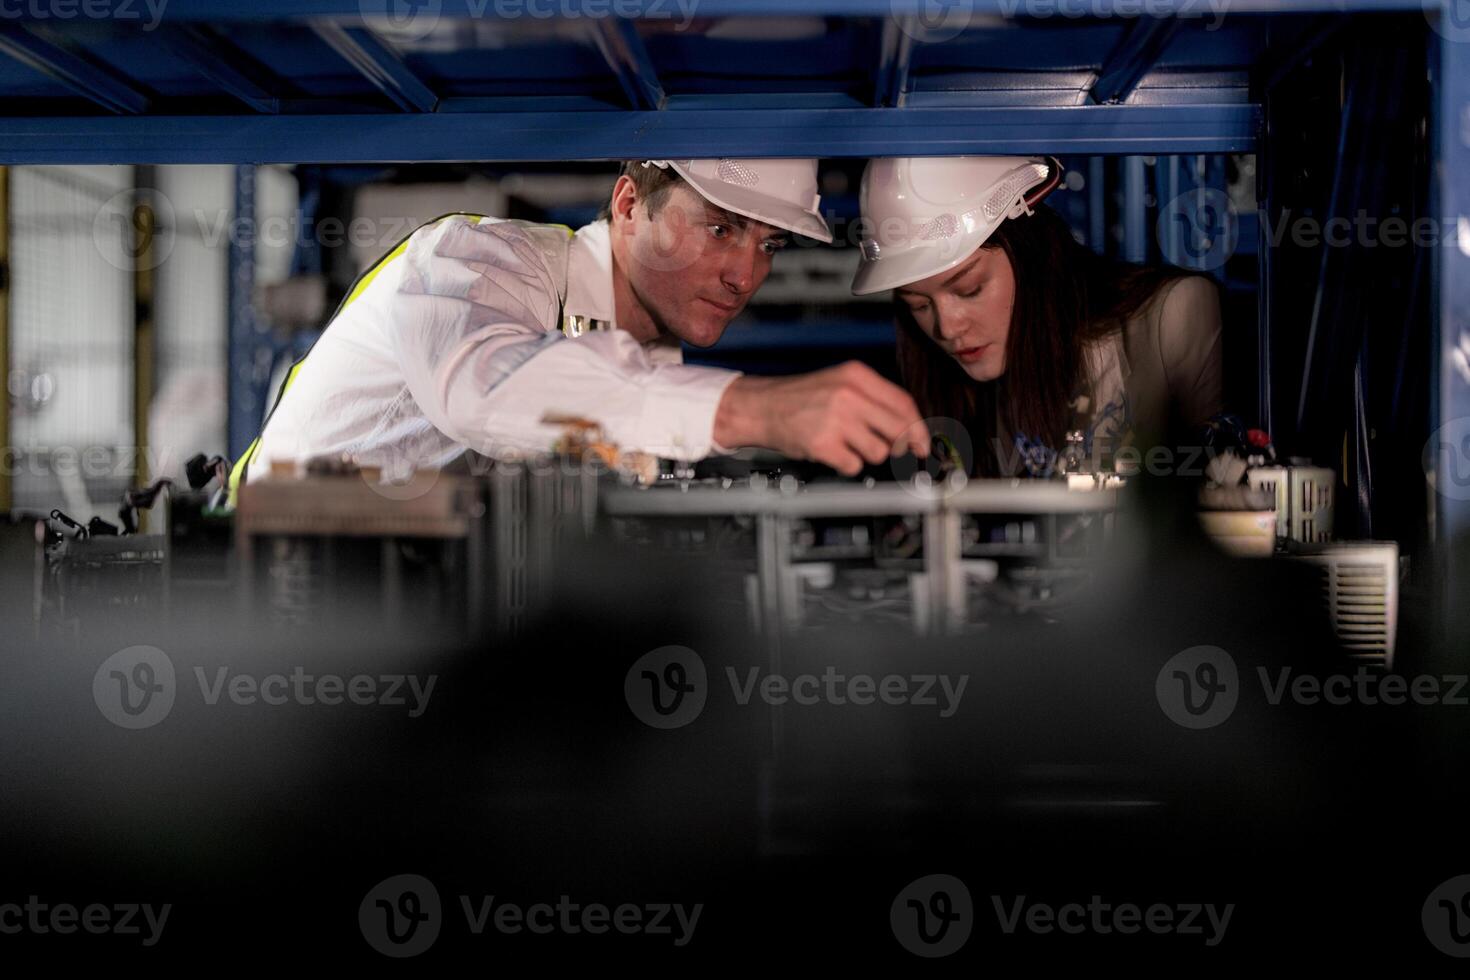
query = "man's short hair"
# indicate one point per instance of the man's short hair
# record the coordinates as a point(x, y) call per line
point(653, 185)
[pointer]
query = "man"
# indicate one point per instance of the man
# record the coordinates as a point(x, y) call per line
point(469, 333)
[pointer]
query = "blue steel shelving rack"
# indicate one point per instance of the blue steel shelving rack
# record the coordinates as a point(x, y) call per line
point(348, 81)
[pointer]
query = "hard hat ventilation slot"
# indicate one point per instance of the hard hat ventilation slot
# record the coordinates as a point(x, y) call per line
point(733, 172)
point(944, 226)
point(1009, 199)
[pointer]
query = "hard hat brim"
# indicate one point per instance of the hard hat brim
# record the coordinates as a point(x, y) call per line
point(911, 265)
point(751, 204)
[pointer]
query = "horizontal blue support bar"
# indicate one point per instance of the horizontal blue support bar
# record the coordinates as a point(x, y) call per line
point(684, 11)
point(555, 136)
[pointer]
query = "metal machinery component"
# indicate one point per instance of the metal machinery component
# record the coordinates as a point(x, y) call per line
point(1303, 500)
point(1360, 584)
point(96, 582)
point(915, 551)
point(436, 545)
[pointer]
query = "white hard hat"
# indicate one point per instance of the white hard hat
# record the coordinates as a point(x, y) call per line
point(779, 192)
point(925, 215)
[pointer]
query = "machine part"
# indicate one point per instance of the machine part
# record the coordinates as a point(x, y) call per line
point(584, 440)
point(1304, 500)
point(333, 542)
point(1360, 583)
point(899, 551)
point(1241, 533)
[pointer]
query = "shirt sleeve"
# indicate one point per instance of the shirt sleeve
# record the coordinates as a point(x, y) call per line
point(1189, 344)
point(473, 316)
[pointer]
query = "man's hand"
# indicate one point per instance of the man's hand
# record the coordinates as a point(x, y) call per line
point(843, 416)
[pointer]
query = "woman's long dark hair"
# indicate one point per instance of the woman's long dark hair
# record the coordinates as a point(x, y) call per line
point(1066, 295)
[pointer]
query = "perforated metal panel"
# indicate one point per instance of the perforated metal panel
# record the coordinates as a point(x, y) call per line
point(71, 380)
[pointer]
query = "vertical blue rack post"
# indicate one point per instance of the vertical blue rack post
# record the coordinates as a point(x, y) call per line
point(245, 392)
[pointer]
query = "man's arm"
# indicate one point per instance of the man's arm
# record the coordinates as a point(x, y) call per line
point(473, 318)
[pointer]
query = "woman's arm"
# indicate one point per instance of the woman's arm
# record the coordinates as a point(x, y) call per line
point(1189, 346)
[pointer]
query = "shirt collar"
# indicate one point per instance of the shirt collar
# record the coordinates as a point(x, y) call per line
point(589, 274)
point(590, 286)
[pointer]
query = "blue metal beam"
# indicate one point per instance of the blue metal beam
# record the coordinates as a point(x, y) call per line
point(212, 59)
point(895, 57)
point(81, 76)
point(1142, 44)
point(366, 52)
point(681, 12)
point(556, 136)
point(626, 55)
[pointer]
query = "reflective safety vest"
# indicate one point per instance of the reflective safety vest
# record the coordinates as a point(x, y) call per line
point(555, 241)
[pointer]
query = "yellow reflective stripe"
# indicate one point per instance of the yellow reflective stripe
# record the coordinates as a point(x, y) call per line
point(243, 463)
point(372, 274)
point(238, 472)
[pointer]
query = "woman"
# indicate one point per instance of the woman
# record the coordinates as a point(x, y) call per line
point(1013, 329)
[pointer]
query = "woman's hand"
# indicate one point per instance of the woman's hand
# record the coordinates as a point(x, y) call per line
point(842, 416)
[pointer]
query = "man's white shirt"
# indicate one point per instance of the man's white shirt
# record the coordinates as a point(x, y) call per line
point(457, 344)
